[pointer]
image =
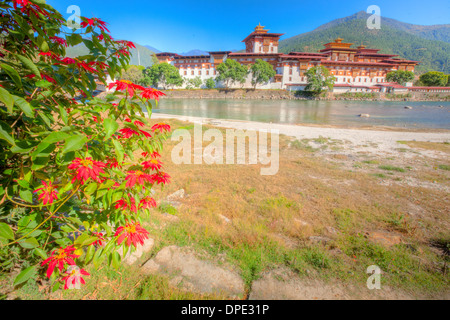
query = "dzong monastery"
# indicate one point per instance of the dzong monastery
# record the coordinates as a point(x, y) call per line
point(356, 69)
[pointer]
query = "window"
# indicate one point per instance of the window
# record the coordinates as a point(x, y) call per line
point(199, 72)
point(185, 72)
point(290, 78)
point(207, 72)
point(192, 72)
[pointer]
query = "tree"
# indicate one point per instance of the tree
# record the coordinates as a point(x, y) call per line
point(231, 71)
point(134, 74)
point(434, 79)
point(400, 76)
point(154, 59)
point(164, 75)
point(262, 72)
point(210, 83)
point(193, 83)
point(72, 189)
point(319, 79)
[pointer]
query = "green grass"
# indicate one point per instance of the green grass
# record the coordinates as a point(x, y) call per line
point(444, 167)
point(167, 208)
point(391, 168)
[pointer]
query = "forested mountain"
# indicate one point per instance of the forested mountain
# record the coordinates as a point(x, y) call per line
point(139, 56)
point(408, 41)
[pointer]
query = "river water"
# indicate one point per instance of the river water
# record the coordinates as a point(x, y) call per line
point(432, 115)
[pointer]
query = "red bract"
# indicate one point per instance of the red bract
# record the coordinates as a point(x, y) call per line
point(147, 203)
point(123, 204)
point(128, 133)
point(153, 164)
point(133, 233)
point(95, 22)
point(161, 127)
point(138, 177)
point(86, 168)
point(58, 258)
point(59, 40)
point(161, 177)
point(112, 163)
point(100, 240)
point(125, 85)
point(150, 93)
point(129, 44)
point(145, 133)
point(48, 193)
point(74, 279)
point(49, 79)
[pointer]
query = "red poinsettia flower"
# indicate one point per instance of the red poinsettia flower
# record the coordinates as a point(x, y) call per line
point(97, 119)
point(59, 40)
point(145, 133)
point(125, 85)
point(68, 61)
point(87, 168)
point(128, 133)
point(136, 122)
point(147, 203)
point(49, 79)
point(122, 52)
point(112, 163)
point(58, 258)
point(129, 44)
point(133, 233)
point(161, 127)
point(74, 277)
point(95, 22)
point(22, 3)
point(48, 193)
point(153, 164)
point(161, 177)
point(150, 93)
point(124, 204)
point(100, 240)
point(138, 177)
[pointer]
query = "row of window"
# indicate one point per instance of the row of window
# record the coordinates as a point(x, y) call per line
point(199, 72)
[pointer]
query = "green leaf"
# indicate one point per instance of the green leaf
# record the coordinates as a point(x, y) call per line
point(4, 133)
point(24, 106)
point(29, 65)
point(7, 99)
point(110, 126)
point(115, 260)
point(119, 150)
point(25, 275)
point(74, 143)
point(85, 240)
point(26, 195)
point(90, 189)
point(29, 243)
point(41, 253)
point(43, 84)
point(89, 254)
point(12, 74)
point(56, 136)
point(6, 232)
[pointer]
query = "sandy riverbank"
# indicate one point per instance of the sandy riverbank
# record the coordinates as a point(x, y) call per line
point(365, 140)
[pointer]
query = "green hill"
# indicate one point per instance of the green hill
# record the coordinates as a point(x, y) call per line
point(139, 56)
point(415, 43)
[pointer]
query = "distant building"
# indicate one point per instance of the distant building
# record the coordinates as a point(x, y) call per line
point(356, 69)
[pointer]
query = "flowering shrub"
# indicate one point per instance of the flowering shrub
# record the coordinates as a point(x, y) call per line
point(76, 171)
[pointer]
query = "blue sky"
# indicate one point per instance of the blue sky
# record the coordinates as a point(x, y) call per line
point(180, 26)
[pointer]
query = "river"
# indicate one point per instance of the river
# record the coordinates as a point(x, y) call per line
point(423, 115)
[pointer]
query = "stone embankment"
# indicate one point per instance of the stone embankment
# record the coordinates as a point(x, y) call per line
point(250, 94)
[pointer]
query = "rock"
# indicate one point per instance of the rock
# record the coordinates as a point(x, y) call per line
point(319, 239)
point(301, 222)
point(194, 274)
point(364, 115)
point(225, 219)
point(176, 195)
point(282, 284)
point(332, 230)
point(384, 238)
point(132, 257)
point(408, 107)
